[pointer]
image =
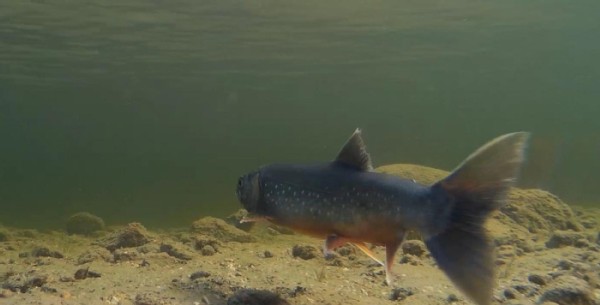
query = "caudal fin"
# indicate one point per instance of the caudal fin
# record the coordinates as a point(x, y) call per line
point(477, 187)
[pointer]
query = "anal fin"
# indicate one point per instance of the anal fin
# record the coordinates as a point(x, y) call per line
point(363, 247)
point(334, 241)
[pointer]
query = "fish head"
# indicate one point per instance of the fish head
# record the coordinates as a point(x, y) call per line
point(248, 191)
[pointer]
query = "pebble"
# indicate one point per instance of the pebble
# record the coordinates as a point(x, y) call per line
point(221, 230)
point(452, 298)
point(414, 247)
point(568, 290)
point(255, 297)
point(5, 293)
point(399, 294)
point(84, 273)
point(133, 235)
point(45, 252)
point(537, 279)
point(199, 274)
point(561, 239)
point(510, 293)
point(304, 252)
point(208, 250)
point(172, 251)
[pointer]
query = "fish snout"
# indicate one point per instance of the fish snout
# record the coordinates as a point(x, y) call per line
point(248, 191)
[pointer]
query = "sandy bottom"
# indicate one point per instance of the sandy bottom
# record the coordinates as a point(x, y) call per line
point(177, 267)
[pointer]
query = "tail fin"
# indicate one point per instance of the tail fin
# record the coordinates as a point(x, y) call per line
point(476, 188)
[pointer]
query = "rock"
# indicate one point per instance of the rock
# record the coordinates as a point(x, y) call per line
point(84, 223)
point(27, 233)
point(510, 293)
point(220, 230)
point(95, 253)
point(410, 259)
point(5, 293)
point(45, 252)
point(346, 250)
point(66, 279)
point(4, 235)
point(236, 218)
point(589, 223)
point(561, 239)
point(290, 292)
point(334, 260)
point(517, 302)
point(23, 282)
point(414, 247)
point(85, 273)
point(304, 252)
point(171, 251)
point(48, 289)
point(452, 298)
point(208, 250)
point(152, 298)
point(148, 248)
point(206, 245)
point(582, 243)
point(255, 297)
point(568, 290)
point(133, 235)
point(199, 274)
point(565, 264)
point(124, 255)
point(267, 254)
point(539, 211)
point(537, 279)
point(527, 290)
point(399, 294)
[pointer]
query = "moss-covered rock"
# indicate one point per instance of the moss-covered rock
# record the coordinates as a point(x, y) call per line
point(84, 223)
point(133, 235)
point(539, 211)
point(4, 234)
point(220, 230)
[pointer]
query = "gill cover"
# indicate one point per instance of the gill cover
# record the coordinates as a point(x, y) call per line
point(248, 191)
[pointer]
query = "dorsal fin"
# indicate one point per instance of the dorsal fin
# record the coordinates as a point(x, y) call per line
point(354, 153)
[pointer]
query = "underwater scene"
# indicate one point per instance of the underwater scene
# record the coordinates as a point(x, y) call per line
point(300, 152)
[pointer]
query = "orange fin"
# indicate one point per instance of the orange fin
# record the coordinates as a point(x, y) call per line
point(360, 245)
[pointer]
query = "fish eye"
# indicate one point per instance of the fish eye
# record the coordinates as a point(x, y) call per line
point(240, 181)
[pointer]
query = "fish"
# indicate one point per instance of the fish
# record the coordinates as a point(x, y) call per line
point(346, 201)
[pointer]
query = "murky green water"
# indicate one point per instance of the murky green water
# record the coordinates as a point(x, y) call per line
point(150, 110)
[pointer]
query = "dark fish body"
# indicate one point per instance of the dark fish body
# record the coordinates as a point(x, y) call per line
point(334, 198)
point(344, 201)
